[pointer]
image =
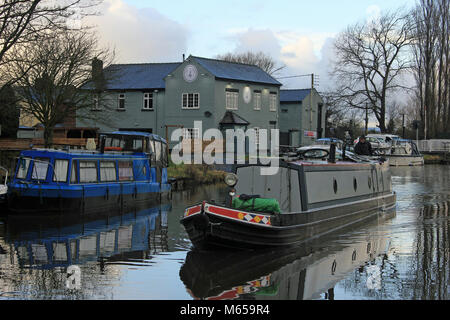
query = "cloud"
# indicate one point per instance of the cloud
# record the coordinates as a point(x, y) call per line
point(139, 35)
point(300, 52)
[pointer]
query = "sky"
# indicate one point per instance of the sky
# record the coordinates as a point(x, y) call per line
point(298, 34)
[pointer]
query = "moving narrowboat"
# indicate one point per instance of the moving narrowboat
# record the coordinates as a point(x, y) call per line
point(308, 197)
point(127, 168)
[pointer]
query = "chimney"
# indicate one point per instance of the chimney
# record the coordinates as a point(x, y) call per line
point(97, 74)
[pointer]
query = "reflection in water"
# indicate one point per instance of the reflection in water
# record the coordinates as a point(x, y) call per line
point(302, 272)
point(38, 251)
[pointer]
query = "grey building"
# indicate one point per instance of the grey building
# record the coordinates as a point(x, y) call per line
point(301, 117)
point(159, 98)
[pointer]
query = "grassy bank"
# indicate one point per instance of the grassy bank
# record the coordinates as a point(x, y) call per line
point(433, 158)
point(195, 173)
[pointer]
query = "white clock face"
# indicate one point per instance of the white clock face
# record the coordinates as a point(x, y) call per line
point(247, 95)
point(190, 73)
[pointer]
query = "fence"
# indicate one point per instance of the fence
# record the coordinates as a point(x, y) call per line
point(434, 146)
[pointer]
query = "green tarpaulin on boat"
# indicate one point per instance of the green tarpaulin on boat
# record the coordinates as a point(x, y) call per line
point(263, 205)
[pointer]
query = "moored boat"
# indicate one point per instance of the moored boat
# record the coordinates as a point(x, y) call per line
point(405, 153)
point(315, 197)
point(127, 168)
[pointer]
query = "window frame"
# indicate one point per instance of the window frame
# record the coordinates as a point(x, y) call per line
point(40, 161)
point(257, 97)
point(273, 102)
point(148, 98)
point(185, 101)
point(54, 170)
point(81, 168)
point(132, 170)
point(232, 99)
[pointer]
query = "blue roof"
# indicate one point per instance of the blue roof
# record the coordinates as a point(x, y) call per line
point(294, 95)
point(236, 71)
point(137, 76)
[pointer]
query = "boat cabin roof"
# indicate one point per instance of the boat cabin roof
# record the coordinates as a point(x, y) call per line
point(137, 134)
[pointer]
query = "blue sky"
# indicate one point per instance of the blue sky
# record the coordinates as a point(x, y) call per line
point(298, 34)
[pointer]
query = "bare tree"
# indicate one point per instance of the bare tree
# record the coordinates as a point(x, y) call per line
point(260, 59)
point(55, 72)
point(431, 52)
point(26, 21)
point(370, 58)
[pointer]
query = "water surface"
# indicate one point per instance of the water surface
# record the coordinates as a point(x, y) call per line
point(146, 254)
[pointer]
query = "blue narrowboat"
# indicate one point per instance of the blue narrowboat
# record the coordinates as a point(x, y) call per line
point(128, 168)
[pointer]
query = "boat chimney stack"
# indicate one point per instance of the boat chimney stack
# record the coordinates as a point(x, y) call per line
point(332, 157)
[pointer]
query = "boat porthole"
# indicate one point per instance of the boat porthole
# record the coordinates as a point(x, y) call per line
point(335, 186)
point(355, 184)
point(333, 267)
point(354, 255)
point(370, 183)
point(369, 246)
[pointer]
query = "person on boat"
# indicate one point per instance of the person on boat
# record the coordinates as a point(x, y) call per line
point(363, 147)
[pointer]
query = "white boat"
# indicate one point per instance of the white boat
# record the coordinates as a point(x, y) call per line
point(405, 153)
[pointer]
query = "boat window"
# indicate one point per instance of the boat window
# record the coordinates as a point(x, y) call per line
point(164, 155)
point(40, 168)
point(125, 171)
point(23, 168)
point(158, 150)
point(107, 171)
point(73, 176)
point(137, 145)
point(60, 170)
point(88, 171)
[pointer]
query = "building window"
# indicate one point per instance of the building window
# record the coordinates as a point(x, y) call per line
point(231, 102)
point(121, 102)
point(148, 101)
point(190, 101)
point(256, 135)
point(96, 103)
point(257, 98)
point(191, 133)
point(273, 102)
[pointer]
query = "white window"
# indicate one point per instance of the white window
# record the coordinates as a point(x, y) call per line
point(61, 170)
point(73, 175)
point(231, 102)
point(23, 168)
point(158, 150)
point(121, 102)
point(191, 133)
point(148, 101)
point(40, 168)
point(107, 171)
point(257, 101)
point(190, 101)
point(88, 171)
point(273, 102)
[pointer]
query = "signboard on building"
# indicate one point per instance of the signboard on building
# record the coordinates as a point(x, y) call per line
point(311, 134)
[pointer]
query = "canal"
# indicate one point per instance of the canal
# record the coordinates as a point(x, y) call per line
point(146, 254)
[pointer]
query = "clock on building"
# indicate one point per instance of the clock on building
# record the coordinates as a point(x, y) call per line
point(247, 95)
point(190, 73)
